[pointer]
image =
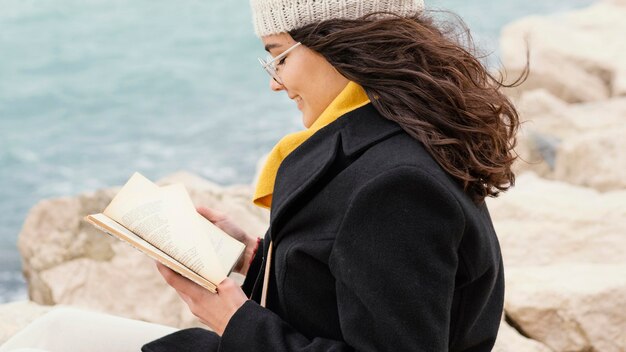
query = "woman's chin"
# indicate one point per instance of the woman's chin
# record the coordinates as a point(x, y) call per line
point(309, 117)
point(307, 120)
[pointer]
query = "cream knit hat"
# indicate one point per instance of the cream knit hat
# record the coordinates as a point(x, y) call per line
point(277, 16)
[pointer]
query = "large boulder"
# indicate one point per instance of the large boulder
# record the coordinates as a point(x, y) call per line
point(570, 307)
point(579, 143)
point(616, 2)
point(578, 56)
point(594, 159)
point(545, 222)
point(563, 248)
point(536, 146)
point(543, 113)
point(510, 340)
point(67, 261)
point(538, 102)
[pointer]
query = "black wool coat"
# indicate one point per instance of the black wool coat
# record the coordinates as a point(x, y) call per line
point(376, 248)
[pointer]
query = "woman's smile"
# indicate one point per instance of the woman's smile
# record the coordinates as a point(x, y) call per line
point(303, 71)
point(297, 99)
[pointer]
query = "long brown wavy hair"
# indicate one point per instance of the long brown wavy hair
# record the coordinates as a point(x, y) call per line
point(422, 76)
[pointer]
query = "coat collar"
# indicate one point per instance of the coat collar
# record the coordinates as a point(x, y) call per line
point(352, 97)
point(353, 132)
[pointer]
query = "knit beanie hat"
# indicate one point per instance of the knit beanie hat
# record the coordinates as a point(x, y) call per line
point(277, 16)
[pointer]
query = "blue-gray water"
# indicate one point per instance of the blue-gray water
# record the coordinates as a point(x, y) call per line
point(93, 90)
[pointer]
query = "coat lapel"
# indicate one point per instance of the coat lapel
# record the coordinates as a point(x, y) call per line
point(301, 169)
point(365, 128)
point(353, 132)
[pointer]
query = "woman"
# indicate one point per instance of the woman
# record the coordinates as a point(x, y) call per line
point(379, 237)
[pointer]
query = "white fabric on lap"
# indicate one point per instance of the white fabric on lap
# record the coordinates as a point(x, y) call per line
point(71, 329)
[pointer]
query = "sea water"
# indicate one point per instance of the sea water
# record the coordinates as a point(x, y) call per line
point(93, 90)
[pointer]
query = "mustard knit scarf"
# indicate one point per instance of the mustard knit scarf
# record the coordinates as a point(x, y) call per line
point(352, 97)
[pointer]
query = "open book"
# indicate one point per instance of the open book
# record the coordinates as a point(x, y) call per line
point(163, 223)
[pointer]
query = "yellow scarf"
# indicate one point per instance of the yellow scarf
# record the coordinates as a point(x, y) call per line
point(352, 97)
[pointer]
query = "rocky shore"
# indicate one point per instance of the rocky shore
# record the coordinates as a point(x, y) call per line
point(562, 227)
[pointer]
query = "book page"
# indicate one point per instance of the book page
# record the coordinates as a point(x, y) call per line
point(166, 217)
point(226, 248)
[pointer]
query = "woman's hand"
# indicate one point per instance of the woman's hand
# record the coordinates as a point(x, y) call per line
point(222, 221)
point(213, 309)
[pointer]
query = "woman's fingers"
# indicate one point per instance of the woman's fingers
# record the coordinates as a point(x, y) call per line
point(214, 310)
point(222, 221)
point(168, 274)
point(228, 286)
point(180, 283)
point(211, 214)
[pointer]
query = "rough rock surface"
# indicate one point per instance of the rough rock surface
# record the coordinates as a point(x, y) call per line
point(594, 159)
point(563, 247)
point(544, 222)
point(570, 307)
point(562, 235)
point(545, 113)
point(509, 340)
point(578, 56)
point(67, 261)
point(579, 143)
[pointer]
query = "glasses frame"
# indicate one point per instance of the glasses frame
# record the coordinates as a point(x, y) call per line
point(270, 67)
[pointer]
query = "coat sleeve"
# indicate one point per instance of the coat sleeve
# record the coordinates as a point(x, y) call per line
point(394, 261)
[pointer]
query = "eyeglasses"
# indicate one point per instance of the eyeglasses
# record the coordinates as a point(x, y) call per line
point(269, 64)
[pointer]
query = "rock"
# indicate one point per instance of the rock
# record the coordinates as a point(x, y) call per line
point(110, 287)
point(616, 2)
point(539, 102)
point(588, 117)
point(536, 153)
point(619, 83)
point(15, 316)
point(577, 143)
point(68, 261)
point(543, 113)
point(536, 148)
point(54, 233)
point(563, 247)
point(510, 340)
point(579, 56)
point(544, 222)
point(570, 307)
point(594, 159)
point(555, 74)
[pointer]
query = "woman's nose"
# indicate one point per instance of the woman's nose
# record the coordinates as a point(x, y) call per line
point(275, 86)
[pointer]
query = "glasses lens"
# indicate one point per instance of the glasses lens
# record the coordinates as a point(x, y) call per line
point(270, 69)
point(270, 66)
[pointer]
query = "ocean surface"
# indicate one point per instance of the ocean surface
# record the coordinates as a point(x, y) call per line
point(93, 90)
